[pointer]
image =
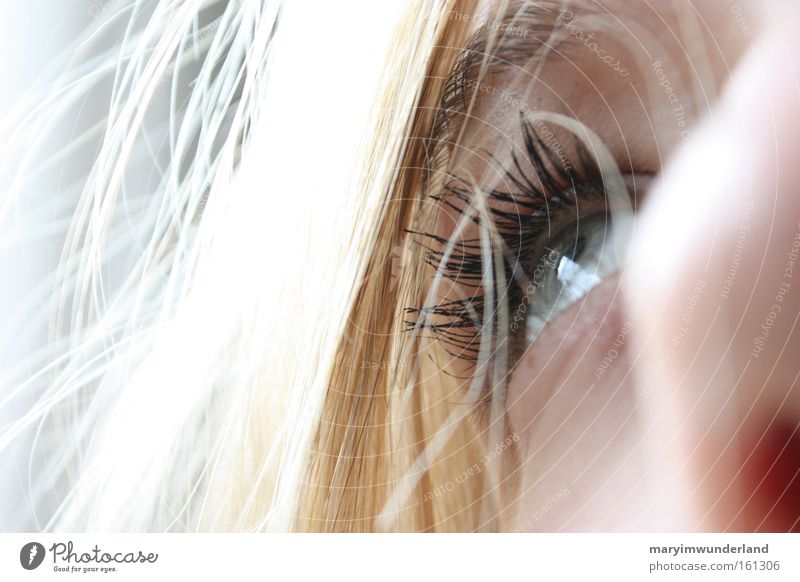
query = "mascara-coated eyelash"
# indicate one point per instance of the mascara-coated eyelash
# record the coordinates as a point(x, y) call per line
point(547, 187)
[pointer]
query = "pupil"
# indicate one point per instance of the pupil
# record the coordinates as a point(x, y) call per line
point(575, 249)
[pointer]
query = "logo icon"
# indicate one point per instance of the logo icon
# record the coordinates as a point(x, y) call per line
point(31, 555)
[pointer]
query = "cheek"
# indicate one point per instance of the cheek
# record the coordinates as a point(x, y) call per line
point(585, 347)
point(572, 403)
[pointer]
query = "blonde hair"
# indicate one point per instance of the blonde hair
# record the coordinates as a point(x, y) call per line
point(386, 404)
point(219, 356)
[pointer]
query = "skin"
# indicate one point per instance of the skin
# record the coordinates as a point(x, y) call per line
point(627, 406)
point(729, 401)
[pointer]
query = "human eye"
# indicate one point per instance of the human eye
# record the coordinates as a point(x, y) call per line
point(536, 201)
point(538, 231)
point(576, 244)
point(533, 184)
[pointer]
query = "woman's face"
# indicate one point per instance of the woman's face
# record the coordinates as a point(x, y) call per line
point(567, 136)
point(574, 398)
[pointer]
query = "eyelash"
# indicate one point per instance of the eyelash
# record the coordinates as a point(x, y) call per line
point(521, 219)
